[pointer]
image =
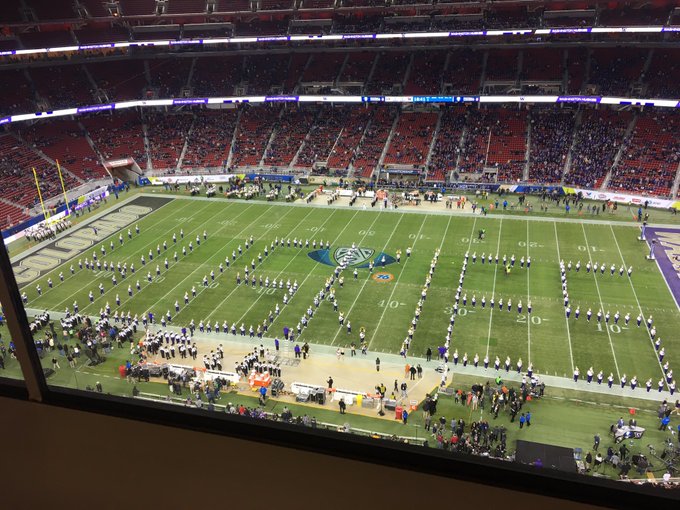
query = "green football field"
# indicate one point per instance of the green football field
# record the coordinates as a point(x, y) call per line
point(385, 304)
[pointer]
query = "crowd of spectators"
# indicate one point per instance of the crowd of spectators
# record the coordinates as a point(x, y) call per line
point(169, 76)
point(613, 71)
point(16, 179)
point(426, 73)
point(650, 157)
point(209, 141)
point(344, 152)
point(290, 131)
point(551, 137)
point(323, 136)
point(411, 139)
point(598, 139)
point(252, 134)
point(216, 76)
point(166, 134)
point(117, 136)
point(263, 72)
point(390, 70)
point(370, 149)
point(447, 146)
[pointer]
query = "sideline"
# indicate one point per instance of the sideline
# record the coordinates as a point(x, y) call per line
point(389, 360)
point(445, 212)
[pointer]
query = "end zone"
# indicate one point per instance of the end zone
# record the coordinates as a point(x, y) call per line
point(667, 256)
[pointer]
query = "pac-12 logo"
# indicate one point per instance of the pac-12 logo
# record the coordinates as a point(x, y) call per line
point(359, 257)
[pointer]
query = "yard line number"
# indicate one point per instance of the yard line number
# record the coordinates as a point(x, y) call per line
point(614, 328)
point(535, 319)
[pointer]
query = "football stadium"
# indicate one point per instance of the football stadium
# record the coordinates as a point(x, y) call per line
point(441, 225)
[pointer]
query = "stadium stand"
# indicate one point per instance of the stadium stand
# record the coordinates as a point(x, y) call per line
point(65, 141)
point(17, 93)
point(447, 145)
point(389, 71)
point(209, 141)
point(120, 79)
point(95, 8)
point(47, 39)
point(650, 159)
point(345, 151)
point(590, 145)
point(102, 35)
point(186, 6)
point(411, 139)
point(464, 72)
point(62, 86)
point(426, 74)
point(508, 144)
point(169, 75)
point(117, 136)
point(551, 136)
point(543, 64)
point(10, 10)
point(252, 135)
point(577, 59)
point(289, 132)
point(323, 136)
point(370, 150)
point(663, 76)
point(51, 10)
point(264, 73)
point(216, 75)
point(323, 68)
point(598, 139)
point(501, 65)
point(357, 67)
point(166, 134)
point(18, 186)
point(137, 7)
point(613, 71)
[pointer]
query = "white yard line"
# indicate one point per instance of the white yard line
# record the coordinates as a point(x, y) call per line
point(232, 265)
point(337, 238)
point(367, 278)
point(255, 301)
point(62, 266)
point(493, 290)
point(566, 321)
point(146, 285)
point(528, 298)
point(597, 286)
point(394, 287)
point(444, 237)
point(632, 287)
point(190, 275)
point(107, 274)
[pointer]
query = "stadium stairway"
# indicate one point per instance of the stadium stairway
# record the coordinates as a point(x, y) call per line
point(185, 146)
point(676, 183)
point(527, 153)
point(620, 152)
point(386, 147)
point(433, 142)
point(567, 161)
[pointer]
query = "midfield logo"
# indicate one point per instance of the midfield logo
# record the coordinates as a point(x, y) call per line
point(359, 257)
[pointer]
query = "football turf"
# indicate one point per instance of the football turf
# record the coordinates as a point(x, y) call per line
point(385, 305)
